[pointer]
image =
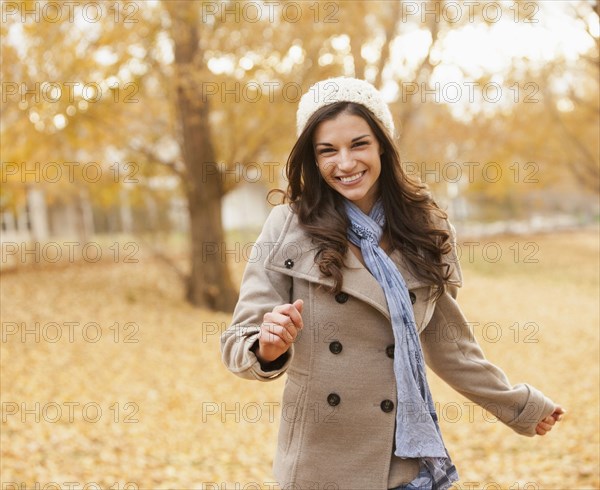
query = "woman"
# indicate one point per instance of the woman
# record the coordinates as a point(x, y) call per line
point(351, 286)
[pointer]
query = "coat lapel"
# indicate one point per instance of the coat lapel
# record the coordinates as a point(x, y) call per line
point(294, 255)
point(358, 281)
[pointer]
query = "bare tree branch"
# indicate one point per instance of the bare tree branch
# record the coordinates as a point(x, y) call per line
point(585, 169)
point(153, 157)
point(389, 32)
point(422, 74)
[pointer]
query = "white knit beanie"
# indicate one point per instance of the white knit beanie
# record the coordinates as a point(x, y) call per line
point(344, 89)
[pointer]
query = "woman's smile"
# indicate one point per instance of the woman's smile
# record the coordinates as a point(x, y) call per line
point(352, 179)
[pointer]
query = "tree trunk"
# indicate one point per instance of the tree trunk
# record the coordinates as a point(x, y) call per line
point(209, 284)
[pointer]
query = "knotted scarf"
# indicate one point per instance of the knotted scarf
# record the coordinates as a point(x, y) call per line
point(417, 431)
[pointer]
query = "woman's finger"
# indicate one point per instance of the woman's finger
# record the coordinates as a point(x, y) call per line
point(277, 318)
point(284, 322)
point(275, 334)
point(290, 311)
point(558, 413)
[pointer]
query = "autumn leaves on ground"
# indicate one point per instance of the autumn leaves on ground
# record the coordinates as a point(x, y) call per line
point(134, 395)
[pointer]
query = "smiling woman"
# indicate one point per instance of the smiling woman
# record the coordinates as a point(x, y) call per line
point(355, 290)
point(350, 164)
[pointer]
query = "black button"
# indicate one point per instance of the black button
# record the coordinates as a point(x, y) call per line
point(341, 297)
point(387, 406)
point(289, 263)
point(413, 297)
point(389, 351)
point(335, 347)
point(333, 399)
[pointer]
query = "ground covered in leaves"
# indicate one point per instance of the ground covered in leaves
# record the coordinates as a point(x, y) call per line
point(109, 377)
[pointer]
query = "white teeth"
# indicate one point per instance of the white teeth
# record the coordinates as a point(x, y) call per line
point(352, 178)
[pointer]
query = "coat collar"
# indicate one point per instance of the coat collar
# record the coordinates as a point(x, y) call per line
point(294, 254)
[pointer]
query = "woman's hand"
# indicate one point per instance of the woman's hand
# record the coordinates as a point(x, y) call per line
point(545, 425)
point(279, 330)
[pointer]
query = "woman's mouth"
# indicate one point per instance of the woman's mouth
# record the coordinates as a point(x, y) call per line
point(351, 179)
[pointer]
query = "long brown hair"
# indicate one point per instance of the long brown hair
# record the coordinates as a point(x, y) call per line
point(407, 204)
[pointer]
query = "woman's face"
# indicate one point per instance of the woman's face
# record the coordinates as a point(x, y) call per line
point(348, 157)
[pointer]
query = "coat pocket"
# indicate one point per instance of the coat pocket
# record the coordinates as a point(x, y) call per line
point(291, 412)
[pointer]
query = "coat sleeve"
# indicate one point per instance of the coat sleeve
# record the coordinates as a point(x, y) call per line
point(261, 290)
point(453, 353)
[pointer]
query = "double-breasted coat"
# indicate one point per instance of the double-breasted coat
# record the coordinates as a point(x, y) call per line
point(339, 401)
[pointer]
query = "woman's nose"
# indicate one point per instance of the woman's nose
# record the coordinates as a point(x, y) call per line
point(346, 162)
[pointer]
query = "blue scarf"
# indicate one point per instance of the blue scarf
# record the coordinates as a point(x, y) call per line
point(417, 431)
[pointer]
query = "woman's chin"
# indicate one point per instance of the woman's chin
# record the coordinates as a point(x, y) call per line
point(353, 196)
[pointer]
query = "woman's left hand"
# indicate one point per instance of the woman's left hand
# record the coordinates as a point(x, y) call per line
point(545, 425)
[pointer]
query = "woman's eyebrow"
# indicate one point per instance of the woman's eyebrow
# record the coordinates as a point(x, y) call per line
point(352, 141)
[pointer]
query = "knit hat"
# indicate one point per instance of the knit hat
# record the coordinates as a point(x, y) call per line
point(344, 89)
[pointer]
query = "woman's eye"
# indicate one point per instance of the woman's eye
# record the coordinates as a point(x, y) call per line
point(360, 143)
point(326, 150)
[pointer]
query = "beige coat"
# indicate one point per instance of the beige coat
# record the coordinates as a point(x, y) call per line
point(337, 425)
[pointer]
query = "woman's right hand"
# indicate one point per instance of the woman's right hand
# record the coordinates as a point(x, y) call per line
point(279, 330)
point(545, 425)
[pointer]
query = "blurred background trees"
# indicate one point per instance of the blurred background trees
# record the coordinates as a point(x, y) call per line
point(152, 116)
